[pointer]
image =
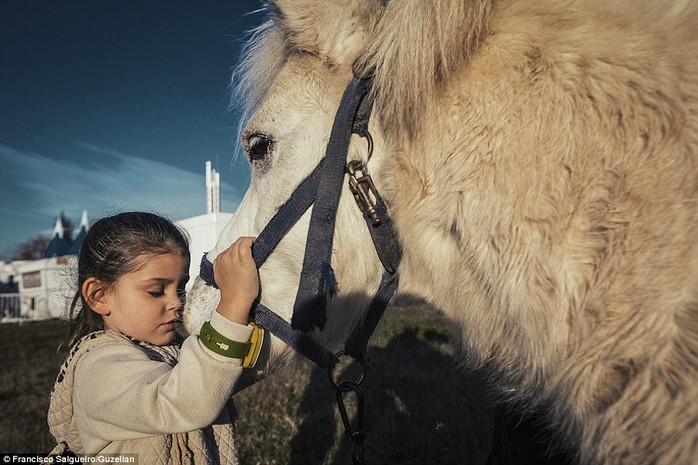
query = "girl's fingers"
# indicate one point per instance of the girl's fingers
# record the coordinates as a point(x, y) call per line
point(241, 250)
point(247, 247)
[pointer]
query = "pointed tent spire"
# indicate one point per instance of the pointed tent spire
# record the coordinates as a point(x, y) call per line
point(77, 242)
point(58, 245)
point(58, 229)
point(84, 224)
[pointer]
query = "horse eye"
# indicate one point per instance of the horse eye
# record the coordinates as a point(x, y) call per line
point(258, 147)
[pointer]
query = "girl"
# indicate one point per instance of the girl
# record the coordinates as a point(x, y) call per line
point(131, 384)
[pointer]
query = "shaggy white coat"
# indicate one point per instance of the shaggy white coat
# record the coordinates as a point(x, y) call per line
point(540, 159)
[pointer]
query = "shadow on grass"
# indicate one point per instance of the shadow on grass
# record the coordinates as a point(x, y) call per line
point(419, 408)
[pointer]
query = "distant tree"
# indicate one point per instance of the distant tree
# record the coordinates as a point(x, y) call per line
point(67, 228)
point(32, 249)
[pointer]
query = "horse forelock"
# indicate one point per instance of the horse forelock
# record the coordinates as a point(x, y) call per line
point(272, 43)
point(263, 57)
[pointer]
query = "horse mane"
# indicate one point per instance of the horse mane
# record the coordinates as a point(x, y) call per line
point(415, 47)
point(411, 51)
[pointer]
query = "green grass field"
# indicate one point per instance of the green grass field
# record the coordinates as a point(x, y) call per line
point(420, 407)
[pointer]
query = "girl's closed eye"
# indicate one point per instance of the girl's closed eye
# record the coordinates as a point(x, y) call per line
point(157, 293)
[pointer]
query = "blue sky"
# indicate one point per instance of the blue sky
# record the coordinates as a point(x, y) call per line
point(115, 105)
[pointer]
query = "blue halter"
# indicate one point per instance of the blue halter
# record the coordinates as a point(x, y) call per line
point(317, 282)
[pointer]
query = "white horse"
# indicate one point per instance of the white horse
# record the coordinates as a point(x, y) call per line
point(540, 163)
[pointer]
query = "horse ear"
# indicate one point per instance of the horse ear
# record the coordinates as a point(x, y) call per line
point(334, 30)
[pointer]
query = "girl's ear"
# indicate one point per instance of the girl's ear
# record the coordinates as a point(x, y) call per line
point(94, 292)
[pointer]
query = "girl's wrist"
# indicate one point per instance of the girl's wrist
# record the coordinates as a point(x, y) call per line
point(231, 329)
point(237, 309)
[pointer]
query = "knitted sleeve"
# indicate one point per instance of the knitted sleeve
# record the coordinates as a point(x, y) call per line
point(120, 393)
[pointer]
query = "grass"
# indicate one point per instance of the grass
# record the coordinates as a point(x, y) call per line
point(30, 363)
point(420, 408)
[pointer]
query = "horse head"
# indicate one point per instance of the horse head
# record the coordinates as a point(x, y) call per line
point(295, 72)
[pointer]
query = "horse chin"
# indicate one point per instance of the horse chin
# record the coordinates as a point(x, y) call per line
point(202, 300)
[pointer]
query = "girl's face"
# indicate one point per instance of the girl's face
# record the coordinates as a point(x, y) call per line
point(146, 303)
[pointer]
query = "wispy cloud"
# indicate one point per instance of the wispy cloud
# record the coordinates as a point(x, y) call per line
point(35, 187)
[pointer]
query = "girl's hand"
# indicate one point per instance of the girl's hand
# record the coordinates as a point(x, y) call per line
point(236, 276)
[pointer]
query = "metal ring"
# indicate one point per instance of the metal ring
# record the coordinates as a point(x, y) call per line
point(369, 139)
point(341, 385)
point(359, 165)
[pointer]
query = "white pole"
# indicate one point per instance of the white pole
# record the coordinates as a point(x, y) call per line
point(217, 194)
point(209, 196)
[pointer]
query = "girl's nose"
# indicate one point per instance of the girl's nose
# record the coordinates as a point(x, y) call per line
point(175, 302)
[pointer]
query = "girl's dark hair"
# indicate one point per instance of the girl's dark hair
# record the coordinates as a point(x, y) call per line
point(111, 249)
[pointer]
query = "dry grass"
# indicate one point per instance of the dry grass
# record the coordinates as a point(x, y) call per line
point(420, 408)
point(30, 362)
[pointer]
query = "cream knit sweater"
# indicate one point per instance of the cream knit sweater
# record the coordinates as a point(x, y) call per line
point(170, 406)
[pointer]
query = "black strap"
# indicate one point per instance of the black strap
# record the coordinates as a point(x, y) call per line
point(317, 284)
point(358, 340)
point(301, 342)
point(287, 216)
point(384, 236)
point(206, 271)
point(282, 221)
point(363, 115)
point(385, 241)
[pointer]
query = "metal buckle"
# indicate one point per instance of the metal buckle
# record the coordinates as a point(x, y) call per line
point(362, 186)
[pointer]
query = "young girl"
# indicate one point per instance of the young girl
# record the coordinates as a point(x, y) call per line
point(131, 384)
